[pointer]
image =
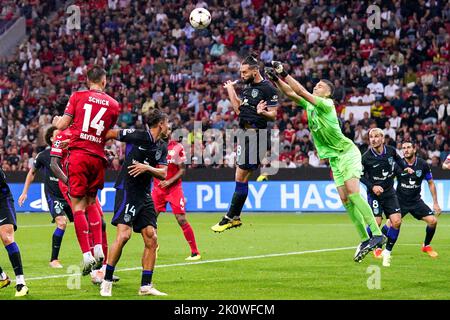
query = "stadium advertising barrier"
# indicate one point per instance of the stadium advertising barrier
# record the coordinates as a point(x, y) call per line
point(291, 196)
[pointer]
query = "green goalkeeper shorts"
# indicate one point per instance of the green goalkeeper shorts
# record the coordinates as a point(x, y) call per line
point(346, 166)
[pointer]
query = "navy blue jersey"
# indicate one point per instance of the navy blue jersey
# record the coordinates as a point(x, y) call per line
point(252, 94)
point(379, 169)
point(142, 148)
point(409, 186)
point(51, 186)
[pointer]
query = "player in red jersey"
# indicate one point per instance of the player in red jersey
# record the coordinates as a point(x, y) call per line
point(90, 113)
point(58, 154)
point(171, 191)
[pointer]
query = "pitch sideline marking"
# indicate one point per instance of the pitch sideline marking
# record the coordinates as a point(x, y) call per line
point(205, 262)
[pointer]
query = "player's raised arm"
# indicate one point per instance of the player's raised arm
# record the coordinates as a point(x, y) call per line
point(294, 84)
point(234, 99)
point(283, 86)
point(62, 123)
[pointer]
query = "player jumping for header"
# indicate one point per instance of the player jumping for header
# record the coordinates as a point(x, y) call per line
point(343, 154)
point(257, 106)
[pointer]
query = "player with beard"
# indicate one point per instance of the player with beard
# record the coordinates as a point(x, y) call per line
point(256, 106)
point(409, 188)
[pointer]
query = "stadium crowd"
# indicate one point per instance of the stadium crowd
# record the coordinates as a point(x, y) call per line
point(155, 59)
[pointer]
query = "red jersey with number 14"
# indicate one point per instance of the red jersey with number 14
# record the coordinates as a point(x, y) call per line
point(175, 156)
point(94, 113)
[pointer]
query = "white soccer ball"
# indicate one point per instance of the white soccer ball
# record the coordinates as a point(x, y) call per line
point(200, 18)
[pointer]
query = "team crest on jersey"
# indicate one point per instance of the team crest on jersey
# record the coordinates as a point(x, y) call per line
point(391, 161)
point(418, 173)
point(255, 93)
point(126, 218)
point(158, 155)
point(57, 143)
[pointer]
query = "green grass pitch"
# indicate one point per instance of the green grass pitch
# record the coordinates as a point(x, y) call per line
point(272, 256)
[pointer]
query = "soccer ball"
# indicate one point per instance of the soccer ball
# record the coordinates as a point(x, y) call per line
point(200, 18)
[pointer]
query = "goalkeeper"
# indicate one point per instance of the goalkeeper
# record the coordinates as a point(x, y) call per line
point(343, 154)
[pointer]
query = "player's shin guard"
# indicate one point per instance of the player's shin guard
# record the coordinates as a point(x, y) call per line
point(15, 258)
point(357, 220)
point(56, 243)
point(239, 197)
point(82, 230)
point(429, 235)
point(190, 237)
point(95, 223)
point(392, 236)
point(104, 241)
point(364, 209)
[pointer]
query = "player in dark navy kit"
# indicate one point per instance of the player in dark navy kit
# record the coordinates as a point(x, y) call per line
point(8, 225)
point(57, 205)
point(257, 105)
point(379, 172)
point(146, 155)
point(409, 188)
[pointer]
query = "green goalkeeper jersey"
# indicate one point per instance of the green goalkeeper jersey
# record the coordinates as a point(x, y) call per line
point(324, 125)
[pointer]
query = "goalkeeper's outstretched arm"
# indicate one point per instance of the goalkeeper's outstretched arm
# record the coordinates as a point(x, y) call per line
point(299, 89)
point(294, 84)
point(283, 86)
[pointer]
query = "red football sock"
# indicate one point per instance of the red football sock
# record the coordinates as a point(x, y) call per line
point(82, 230)
point(105, 244)
point(190, 237)
point(95, 223)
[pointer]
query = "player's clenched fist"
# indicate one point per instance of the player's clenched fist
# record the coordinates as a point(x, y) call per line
point(377, 190)
point(279, 69)
point(271, 74)
point(55, 120)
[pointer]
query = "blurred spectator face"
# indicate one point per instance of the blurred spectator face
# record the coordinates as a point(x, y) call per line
point(435, 162)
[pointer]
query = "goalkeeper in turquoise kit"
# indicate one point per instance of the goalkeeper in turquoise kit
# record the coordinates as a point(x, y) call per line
point(343, 154)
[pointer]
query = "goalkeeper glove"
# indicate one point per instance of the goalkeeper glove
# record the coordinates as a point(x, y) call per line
point(278, 66)
point(271, 74)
